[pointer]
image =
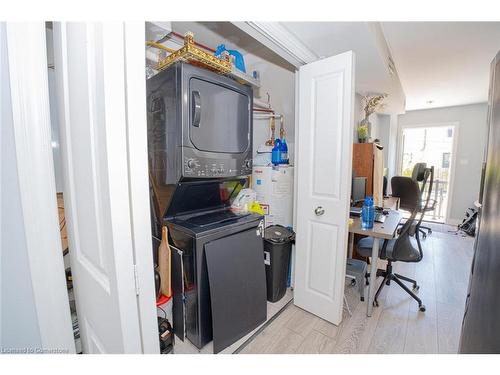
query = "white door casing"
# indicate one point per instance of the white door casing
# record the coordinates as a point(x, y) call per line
point(325, 130)
point(35, 169)
point(135, 67)
point(95, 85)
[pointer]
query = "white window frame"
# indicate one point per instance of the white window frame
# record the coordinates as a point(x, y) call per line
point(399, 160)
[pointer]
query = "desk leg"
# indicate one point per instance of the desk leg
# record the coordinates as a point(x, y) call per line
point(373, 276)
point(351, 244)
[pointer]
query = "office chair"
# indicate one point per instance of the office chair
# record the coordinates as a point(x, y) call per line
point(411, 199)
point(400, 249)
point(418, 175)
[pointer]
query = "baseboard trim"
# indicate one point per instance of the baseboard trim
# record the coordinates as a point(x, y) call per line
point(453, 221)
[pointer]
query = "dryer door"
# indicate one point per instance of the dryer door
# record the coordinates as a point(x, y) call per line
point(219, 117)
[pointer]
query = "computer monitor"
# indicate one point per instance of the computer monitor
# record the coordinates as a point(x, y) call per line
point(358, 189)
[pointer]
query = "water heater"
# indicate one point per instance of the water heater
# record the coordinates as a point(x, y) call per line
point(274, 188)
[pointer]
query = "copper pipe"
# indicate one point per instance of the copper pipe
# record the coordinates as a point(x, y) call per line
point(261, 116)
point(263, 110)
point(270, 141)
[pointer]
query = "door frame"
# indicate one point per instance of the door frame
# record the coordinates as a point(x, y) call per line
point(126, 151)
point(137, 145)
point(456, 130)
point(30, 106)
point(35, 167)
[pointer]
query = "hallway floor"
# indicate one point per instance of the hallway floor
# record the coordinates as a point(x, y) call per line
point(396, 326)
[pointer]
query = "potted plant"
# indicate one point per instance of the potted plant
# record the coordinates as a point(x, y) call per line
point(371, 104)
point(362, 132)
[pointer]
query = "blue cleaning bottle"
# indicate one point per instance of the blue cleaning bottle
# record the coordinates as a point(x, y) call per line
point(276, 152)
point(239, 61)
point(284, 151)
point(367, 214)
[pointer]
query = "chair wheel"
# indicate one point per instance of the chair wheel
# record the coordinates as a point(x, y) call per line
point(416, 288)
point(375, 303)
point(421, 308)
point(430, 231)
point(353, 282)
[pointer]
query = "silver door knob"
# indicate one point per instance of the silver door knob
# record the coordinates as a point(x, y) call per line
point(319, 211)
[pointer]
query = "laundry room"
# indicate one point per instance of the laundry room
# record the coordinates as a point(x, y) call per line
point(221, 178)
point(196, 180)
point(220, 151)
point(187, 218)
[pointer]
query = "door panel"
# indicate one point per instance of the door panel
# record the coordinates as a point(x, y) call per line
point(325, 102)
point(93, 118)
point(321, 261)
point(326, 154)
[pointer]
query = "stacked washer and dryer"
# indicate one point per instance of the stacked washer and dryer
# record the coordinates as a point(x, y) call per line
point(200, 155)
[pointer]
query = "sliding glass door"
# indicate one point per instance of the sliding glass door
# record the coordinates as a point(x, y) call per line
point(434, 146)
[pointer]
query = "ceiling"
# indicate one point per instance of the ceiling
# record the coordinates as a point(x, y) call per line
point(443, 63)
point(212, 34)
point(322, 39)
point(371, 54)
point(438, 64)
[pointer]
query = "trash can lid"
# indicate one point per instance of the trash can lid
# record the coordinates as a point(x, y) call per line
point(278, 234)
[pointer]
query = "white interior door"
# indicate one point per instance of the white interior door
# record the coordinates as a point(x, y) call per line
point(101, 100)
point(323, 160)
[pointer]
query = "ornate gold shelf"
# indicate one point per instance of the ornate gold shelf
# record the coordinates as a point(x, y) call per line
point(196, 56)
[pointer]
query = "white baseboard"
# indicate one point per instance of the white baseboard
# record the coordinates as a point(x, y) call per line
point(452, 221)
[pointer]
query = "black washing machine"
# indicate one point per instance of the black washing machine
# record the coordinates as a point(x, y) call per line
point(218, 271)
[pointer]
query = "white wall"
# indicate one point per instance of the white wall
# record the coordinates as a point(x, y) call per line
point(18, 319)
point(380, 129)
point(358, 115)
point(392, 149)
point(280, 84)
point(471, 142)
point(383, 133)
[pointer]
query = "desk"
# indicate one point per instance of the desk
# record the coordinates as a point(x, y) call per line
point(391, 203)
point(379, 231)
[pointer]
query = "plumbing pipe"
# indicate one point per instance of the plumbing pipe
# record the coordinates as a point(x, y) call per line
point(263, 110)
point(261, 104)
point(273, 116)
point(264, 116)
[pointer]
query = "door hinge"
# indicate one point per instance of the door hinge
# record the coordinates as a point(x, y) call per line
point(136, 280)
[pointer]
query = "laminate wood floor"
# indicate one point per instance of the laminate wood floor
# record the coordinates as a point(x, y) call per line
point(396, 326)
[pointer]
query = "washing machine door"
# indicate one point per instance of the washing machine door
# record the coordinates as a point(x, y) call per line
point(237, 278)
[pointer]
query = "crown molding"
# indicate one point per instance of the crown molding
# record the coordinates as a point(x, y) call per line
point(280, 40)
